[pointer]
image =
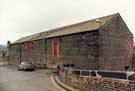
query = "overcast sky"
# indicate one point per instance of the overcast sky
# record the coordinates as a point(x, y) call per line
point(19, 18)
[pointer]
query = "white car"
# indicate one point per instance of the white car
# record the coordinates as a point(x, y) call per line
point(26, 66)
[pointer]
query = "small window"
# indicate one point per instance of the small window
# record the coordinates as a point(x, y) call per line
point(55, 49)
point(32, 45)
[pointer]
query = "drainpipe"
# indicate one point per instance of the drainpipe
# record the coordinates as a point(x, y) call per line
point(8, 51)
point(20, 53)
point(45, 46)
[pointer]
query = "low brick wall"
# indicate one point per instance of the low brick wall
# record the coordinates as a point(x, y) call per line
point(84, 83)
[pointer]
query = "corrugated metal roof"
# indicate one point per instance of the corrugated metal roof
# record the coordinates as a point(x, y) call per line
point(70, 29)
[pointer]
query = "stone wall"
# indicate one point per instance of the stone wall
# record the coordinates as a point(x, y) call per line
point(14, 54)
point(133, 60)
point(85, 83)
point(34, 51)
point(110, 48)
point(116, 46)
point(80, 49)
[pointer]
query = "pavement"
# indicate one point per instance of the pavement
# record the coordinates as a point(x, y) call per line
point(63, 86)
point(39, 80)
point(3, 63)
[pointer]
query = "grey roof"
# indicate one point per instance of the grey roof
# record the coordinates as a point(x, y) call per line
point(89, 25)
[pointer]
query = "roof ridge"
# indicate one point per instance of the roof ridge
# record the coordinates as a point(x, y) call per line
point(83, 24)
point(79, 22)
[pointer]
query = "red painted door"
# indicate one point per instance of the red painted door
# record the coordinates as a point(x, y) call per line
point(55, 49)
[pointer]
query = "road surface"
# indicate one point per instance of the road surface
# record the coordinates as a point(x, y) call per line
point(13, 80)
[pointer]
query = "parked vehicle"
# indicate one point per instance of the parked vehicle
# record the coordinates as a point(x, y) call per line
point(127, 75)
point(26, 66)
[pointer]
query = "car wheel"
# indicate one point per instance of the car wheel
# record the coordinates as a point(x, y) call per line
point(24, 69)
point(33, 69)
point(19, 69)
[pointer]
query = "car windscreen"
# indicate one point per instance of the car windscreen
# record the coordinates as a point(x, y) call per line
point(93, 73)
point(85, 73)
point(26, 63)
point(131, 77)
point(119, 75)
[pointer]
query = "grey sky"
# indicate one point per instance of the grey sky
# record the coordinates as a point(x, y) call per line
point(19, 18)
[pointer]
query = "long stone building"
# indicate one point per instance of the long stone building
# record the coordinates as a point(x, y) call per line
point(104, 43)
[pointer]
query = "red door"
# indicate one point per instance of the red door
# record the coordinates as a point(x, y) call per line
point(55, 49)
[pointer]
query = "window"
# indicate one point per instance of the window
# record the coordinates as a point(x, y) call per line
point(32, 45)
point(29, 45)
point(55, 49)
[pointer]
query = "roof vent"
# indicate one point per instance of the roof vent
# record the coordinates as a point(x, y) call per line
point(98, 20)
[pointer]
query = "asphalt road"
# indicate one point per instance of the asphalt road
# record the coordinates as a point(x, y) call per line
point(13, 80)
